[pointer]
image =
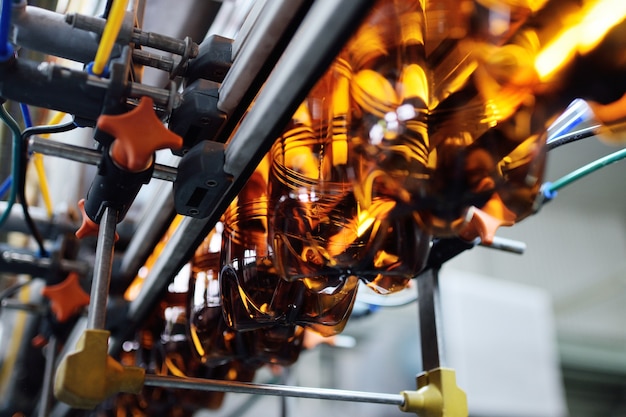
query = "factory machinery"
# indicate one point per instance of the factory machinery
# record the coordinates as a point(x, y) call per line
point(328, 145)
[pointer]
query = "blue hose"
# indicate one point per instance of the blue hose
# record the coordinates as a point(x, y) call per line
point(5, 186)
point(6, 50)
point(28, 121)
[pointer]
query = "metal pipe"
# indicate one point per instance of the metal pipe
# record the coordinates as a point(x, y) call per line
point(27, 262)
point(49, 227)
point(88, 156)
point(48, 377)
point(269, 25)
point(33, 27)
point(507, 245)
point(96, 318)
point(430, 320)
point(11, 304)
point(319, 39)
point(149, 39)
point(148, 233)
point(270, 389)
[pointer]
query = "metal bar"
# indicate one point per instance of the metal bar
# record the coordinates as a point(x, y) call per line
point(270, 389)
point(48, 377)
point(321, 36)
point(270, 23)
point(507, 245)
point(11, 304)
point(431, 331)
point(148, 233)
point(163, 43)
point(32, 29)
point(87, 156)
point(96, 318)
point(28, 263)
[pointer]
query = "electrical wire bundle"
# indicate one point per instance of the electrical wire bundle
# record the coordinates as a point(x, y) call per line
point(20, 158)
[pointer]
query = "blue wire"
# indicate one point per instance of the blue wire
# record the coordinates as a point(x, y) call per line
point(28, 122)
point(4, 187)
point(6, 50)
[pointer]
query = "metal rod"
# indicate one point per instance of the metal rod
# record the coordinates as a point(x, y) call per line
point(319, 38)
point(96, 317)
point(48, 377)
point(148, 232)
point(270, 21)
point(149, 39)
point(506, 245)
point(430, 321)
point(88, 156)
point(270, 389)
point(11, 304)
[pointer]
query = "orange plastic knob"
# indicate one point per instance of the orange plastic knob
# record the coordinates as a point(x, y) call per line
point(485, 222)
point(66, 298)
point(138, 134)
point(88, 227)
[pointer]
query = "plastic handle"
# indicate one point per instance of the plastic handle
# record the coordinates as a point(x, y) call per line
point(138, 134)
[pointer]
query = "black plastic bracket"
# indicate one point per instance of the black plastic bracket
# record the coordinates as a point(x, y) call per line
point(201, 179)
point(198, 117)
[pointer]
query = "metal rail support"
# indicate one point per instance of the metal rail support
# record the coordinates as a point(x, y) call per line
point(96, 318)
point(271, 389)
point(431, 332)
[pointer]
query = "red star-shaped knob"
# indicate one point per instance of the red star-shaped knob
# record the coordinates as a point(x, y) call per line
point(66, 298)
point(138, 134)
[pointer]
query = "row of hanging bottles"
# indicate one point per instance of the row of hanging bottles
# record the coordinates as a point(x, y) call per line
point(362, 179)
point(426, 126)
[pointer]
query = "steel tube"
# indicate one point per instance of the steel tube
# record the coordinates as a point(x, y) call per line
point(270, 23)
point(96, 318)
point(87, 156)
point(28, 262)
point(48, 377)
point(430, 320)
point(269, 389)
point(506, 245)
point(148, 233)
point(320, 37)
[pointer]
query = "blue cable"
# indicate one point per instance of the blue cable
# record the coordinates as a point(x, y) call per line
point(28, 122)
point(6, 50)
point(6, 185)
